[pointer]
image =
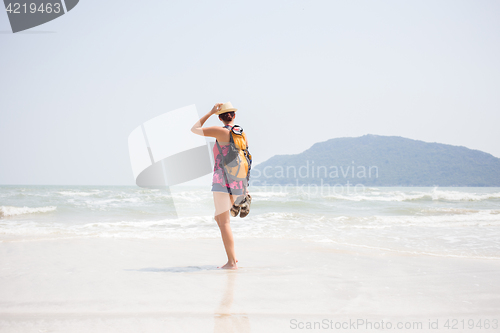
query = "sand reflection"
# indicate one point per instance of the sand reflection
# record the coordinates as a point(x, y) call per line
point(226, 320)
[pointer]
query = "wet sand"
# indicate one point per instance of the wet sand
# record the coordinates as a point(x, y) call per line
point(131, 285)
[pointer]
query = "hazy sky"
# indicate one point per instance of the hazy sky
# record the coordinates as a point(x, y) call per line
point(300, 72)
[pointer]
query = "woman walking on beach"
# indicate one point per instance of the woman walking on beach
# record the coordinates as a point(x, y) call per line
point(225, 192)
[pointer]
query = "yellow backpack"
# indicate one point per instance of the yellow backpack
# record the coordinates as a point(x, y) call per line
point(238, 161)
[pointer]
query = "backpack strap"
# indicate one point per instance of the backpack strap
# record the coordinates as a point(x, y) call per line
point(222, 166)
point(222, 156)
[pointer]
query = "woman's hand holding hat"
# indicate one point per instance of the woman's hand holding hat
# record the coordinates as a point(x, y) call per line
point(216, 108)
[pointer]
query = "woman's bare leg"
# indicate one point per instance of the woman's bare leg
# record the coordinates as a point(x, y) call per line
point(223, 203)
point(227, 238)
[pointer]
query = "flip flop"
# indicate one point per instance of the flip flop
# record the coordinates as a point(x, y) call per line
point(235, 209)
point(245, 206)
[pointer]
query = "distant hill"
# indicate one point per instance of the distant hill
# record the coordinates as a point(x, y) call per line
point(374, 160)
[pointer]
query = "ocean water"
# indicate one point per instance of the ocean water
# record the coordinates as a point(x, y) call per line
point(454, 222)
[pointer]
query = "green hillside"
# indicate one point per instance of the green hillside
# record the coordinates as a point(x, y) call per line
point(375, 160)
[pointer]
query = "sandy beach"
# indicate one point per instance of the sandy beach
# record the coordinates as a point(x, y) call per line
point(282, 285)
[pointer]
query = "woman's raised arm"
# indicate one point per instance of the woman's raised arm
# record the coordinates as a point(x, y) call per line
point(198, 126)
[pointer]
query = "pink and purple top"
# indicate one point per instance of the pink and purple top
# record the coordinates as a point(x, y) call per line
point(218, 177)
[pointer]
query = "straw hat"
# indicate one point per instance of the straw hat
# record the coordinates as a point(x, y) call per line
point(226, 107)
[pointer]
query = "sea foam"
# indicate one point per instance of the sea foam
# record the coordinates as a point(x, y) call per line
point(13, 211)
point(434, 195)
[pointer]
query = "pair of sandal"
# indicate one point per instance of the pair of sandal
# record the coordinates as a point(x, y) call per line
point(241, 206)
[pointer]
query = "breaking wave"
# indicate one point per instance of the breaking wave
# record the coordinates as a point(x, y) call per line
point(6, 211)
point(434, 195)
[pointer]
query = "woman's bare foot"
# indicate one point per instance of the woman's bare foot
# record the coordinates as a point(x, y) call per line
point(229, 265)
